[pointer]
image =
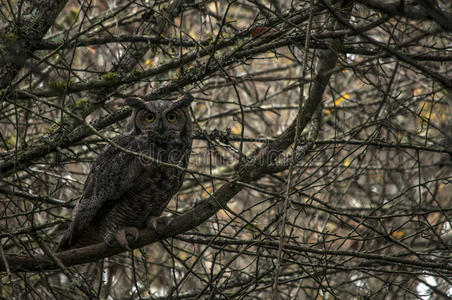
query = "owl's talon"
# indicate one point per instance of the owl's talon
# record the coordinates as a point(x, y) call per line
point(123, 236)
point(158, 223)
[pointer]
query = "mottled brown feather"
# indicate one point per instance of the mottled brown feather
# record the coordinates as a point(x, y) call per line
point(124, 190)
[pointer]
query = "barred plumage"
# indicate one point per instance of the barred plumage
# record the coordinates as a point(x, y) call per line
point(124, 191)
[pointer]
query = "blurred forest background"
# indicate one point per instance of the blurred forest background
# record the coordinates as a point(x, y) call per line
point(321, 166)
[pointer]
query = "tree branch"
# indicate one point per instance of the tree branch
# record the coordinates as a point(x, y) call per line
point(18, 38)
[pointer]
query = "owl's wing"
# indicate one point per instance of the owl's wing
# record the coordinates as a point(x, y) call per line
point(113, 173)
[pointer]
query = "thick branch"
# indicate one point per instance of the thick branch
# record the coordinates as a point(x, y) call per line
point(398, 9)
point(18, 39)
point(426, 11)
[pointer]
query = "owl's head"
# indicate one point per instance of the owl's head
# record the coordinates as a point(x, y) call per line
point(161, 120)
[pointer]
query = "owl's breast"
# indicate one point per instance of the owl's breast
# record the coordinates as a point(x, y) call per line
point(151, 193)
point(153, 187)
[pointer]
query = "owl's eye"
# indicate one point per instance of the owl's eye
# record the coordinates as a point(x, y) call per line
point(149, 117)
point(171, 117)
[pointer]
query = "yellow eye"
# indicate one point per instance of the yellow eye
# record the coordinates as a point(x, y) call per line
point(171, 117)
point(149, 117)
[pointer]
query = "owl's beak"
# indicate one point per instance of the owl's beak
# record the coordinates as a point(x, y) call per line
point(160, 128)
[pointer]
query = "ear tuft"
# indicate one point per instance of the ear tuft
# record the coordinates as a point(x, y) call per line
point(136, 102)
point(182, 101)
point(187, 98)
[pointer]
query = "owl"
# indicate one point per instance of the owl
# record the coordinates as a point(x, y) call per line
point(124, 192)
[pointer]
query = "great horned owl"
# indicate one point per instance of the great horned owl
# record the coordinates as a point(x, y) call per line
point(124, 192)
